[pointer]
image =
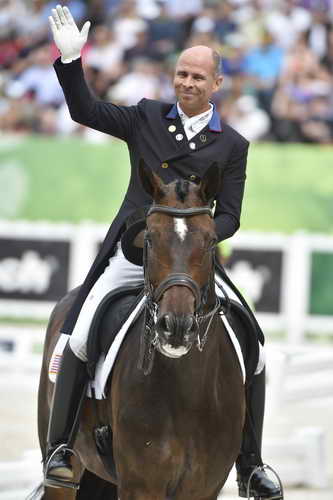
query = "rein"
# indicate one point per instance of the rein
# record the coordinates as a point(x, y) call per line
point(149, 337)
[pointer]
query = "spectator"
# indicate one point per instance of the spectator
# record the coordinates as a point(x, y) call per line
point(250, 19)
point(288, 23)
point(78, 8)
point(105, 53)
point(33, 23)
point(248, 119)
point(165, 33)
point(10, 11)
point(234, 60)
point(127, 25)
point(141, 82)
point(327, 59)
point(183, 9)
point(142, 49)
point(40, 81)
point(302, 108)
point(9, 49)
point(263, 65)
point(318, 32)
point(224, 22)
point(281, 52)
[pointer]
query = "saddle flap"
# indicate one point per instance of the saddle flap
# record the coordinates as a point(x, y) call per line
point(246, 333)
point(107, 321)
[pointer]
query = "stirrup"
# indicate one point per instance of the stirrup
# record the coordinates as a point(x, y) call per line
point(262, 467)
point(54, 481)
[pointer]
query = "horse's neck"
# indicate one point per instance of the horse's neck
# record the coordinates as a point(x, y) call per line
point(195, 373)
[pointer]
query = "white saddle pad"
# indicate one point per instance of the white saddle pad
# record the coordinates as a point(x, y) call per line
point(105, 363)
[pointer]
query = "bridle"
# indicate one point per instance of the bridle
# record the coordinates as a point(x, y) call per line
point(149, 338)
point(180, 279)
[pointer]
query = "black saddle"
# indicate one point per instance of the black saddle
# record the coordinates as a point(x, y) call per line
point(118, 305)
point(109, 317)
point(246, 333)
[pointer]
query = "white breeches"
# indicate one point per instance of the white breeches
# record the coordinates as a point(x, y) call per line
point(119, 272)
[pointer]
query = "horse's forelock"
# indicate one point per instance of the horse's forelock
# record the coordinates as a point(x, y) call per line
point(182, 189)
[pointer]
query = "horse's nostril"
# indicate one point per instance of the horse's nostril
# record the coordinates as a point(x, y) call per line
point(164, 324)
point(170, 325)
point(191, 324)
point(167, 321)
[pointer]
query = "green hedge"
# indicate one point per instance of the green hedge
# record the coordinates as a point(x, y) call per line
point(288, 187)
point(321, 284)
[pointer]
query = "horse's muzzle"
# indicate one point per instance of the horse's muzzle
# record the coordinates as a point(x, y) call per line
point(176, 334)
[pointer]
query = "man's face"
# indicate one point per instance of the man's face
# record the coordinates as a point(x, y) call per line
point(195, 81)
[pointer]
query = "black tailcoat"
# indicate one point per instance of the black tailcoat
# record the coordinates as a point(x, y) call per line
point(151, 129)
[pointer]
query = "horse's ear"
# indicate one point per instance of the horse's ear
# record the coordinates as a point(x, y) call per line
point(150, 181)
point(210, 183)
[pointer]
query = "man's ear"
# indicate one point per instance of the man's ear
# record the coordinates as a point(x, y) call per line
point(218, 83)
point(210, 183)
point(150, 181)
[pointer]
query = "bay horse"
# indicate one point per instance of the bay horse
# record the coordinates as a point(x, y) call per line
point(177, 426)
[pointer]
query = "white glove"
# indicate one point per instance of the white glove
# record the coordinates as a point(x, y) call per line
point(67, 37)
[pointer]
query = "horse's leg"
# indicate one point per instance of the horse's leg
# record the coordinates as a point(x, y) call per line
point(96, 488)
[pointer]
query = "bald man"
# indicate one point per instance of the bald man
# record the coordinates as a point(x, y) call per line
point(177, 141)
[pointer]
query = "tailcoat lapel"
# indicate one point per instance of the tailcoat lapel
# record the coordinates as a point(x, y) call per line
point(184, 147)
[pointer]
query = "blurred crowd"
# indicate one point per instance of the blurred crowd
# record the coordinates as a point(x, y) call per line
point(277, 62)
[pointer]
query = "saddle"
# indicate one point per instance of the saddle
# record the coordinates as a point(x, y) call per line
point(107, 321)
point(118, 304)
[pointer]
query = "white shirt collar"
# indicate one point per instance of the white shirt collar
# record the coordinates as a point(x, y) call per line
point(192, 125)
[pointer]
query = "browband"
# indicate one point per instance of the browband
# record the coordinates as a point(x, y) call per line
point(180, 212)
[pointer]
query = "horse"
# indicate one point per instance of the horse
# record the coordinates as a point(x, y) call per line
point(176, 398)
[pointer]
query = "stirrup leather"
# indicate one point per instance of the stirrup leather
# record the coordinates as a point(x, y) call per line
point(251, 493)
point(58, 482)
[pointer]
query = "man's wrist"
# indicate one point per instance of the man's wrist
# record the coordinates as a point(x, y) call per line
point(67, 60)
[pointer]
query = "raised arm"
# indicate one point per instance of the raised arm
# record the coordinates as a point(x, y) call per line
point(83, 106)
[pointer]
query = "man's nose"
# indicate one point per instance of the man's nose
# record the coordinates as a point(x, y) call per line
point(188, 82)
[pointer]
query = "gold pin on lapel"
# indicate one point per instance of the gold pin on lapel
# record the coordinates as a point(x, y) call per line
point(172, 128)
point(203, 138)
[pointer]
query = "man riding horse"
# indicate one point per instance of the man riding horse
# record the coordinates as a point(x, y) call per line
point(177, 141)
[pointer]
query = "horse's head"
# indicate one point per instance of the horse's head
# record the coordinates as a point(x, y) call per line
point(179, 247)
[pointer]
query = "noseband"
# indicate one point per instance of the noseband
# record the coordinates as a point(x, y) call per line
point(149, 338)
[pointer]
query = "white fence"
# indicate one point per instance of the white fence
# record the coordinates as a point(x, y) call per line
point(33, 278)
point(294, 317)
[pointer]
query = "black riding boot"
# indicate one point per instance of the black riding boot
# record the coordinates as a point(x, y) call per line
point(68, 396)
point(261, 486)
